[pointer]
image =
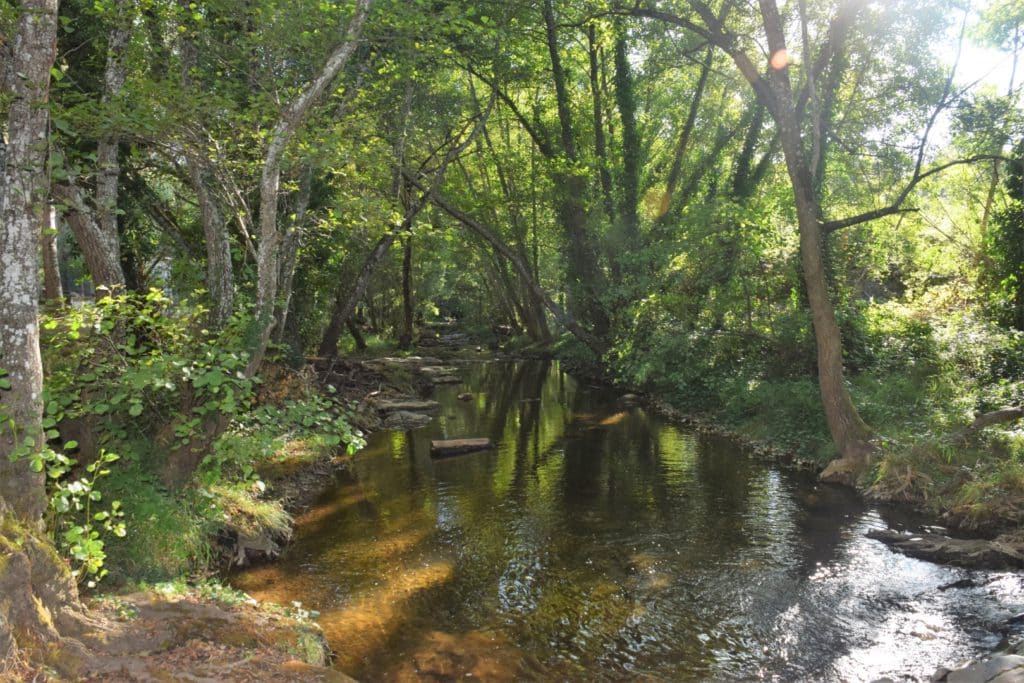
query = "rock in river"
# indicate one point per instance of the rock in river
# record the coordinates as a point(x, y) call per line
point(412, 405)
point(405, 420)
point(442, 449)
point(973, 553)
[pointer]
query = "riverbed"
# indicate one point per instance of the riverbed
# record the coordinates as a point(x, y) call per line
point(599, 542)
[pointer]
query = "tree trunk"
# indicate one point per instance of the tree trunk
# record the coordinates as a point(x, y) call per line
point(52, 290)
point(23, 196)
point(405, 338)
point(100, 249)
point(675, 171)
point(582, 274)
point(290, 248)
point(851, 436)
point(625, 99)
point(357, 335)
point(600, 145)
point(220, 277)
point(268, 266)
point(108, 166)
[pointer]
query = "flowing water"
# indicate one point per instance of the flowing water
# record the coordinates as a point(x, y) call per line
point(598, 542)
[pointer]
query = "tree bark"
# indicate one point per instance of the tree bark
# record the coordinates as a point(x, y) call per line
point(220, 276)
point(290, 248)
point(405, 338)
point(52, 290)
point(100, 249)
point(600, 145)
point(23, 196)
point(582, 273)
point(357, 335)
point(850, 434)
point(108, 166)
point(625, 100)
point(676, 170)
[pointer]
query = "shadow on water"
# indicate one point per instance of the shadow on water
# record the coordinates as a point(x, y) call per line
point(599, 542)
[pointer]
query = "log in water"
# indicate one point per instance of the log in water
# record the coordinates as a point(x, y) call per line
point(449, 447)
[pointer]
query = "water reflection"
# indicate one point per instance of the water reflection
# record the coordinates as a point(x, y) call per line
point(597, 542)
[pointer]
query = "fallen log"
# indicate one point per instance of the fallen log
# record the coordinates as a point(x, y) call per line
point(443, 449)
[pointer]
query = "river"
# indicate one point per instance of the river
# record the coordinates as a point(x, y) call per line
point(599, 542)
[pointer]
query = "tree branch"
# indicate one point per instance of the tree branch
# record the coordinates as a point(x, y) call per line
point(829, 227)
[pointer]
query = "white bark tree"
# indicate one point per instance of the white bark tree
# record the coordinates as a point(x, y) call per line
point(268, 258)
point(23, 196)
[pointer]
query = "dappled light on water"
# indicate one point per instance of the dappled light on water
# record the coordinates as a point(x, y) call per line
point(597, 542)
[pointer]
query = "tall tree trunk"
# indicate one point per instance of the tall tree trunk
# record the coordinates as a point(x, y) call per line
point(583, 276)
point(290, 248)
point(220, 277)
point(357, 335)
point(676, 170)
point(625, 99)
point(851, 436)
point(600, 145)
point(23, 196)
point(52, 290)
point(405, 337)
point(268, 266)
point(108, 165)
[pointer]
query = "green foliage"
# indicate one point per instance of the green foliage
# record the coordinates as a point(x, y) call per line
point(1005, 275)
point(78, 527)
point(129, 368)
point(133, 363)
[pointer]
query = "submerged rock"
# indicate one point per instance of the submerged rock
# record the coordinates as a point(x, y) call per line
point(441, 374)
point(465, 397)
point(972, 553)
point(405, 420)
point(1000, 668)
point(441, 449)
point(412, 405)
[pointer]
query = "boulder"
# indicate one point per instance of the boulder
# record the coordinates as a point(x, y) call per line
point(1001, 668)
point(972, 553)
point(465, 397)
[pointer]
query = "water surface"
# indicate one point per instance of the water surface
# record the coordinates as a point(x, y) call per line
point(598, 542)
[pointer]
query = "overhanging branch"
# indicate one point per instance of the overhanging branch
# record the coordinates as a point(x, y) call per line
point(829, 227)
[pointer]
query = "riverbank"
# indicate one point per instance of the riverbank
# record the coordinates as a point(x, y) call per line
point(299, 473)
point(588, 496)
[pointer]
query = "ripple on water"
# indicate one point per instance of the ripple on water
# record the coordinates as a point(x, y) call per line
point(598, 543)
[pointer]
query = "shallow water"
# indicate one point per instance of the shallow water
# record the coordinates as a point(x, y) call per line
point(598, 542)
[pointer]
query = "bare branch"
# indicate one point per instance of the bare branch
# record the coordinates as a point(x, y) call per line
point(829, 227)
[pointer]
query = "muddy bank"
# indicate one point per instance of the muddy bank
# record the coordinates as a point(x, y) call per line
point(147, 636)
